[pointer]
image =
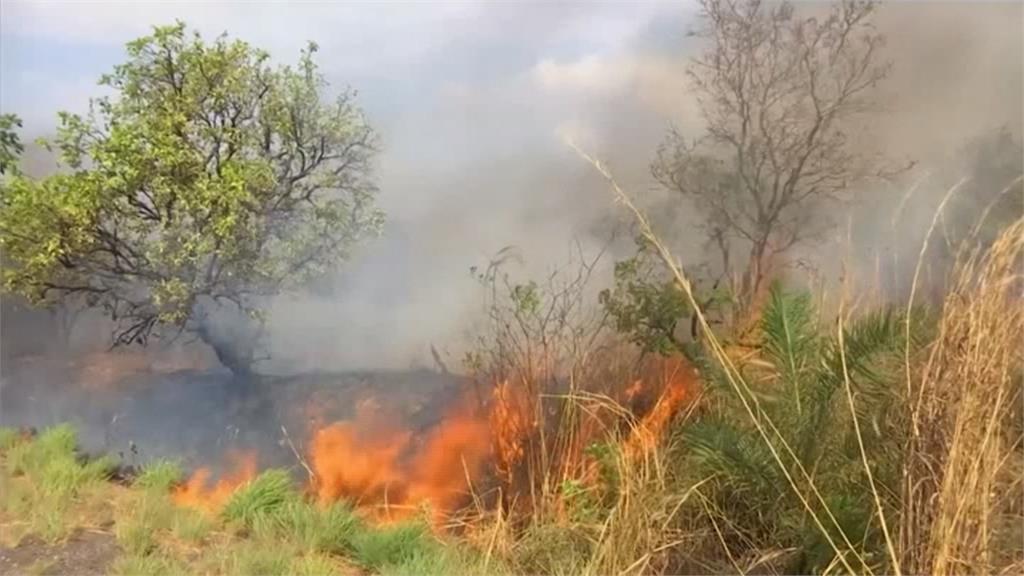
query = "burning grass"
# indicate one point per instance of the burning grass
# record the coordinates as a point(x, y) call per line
point(264, 526)
point(197, 493)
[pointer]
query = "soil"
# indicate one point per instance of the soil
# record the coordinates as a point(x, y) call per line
point(84, 553)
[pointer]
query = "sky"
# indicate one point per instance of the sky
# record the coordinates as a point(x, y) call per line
point(473, 102)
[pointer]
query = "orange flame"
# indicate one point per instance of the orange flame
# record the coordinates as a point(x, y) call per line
point(677, 378)
point(380, 473)
point(509, 423)
point(195, 494)
point(452, 456)
point(634, 389)
point(348, 467)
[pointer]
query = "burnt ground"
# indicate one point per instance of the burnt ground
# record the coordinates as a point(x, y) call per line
point(85, 553)
point(200, 416)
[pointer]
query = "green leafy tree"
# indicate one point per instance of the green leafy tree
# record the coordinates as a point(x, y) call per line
point(210, 182)
point(10, 144)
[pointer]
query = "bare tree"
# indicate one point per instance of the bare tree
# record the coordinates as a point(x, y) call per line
point(775, 89)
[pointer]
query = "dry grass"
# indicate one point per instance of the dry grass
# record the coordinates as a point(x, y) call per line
point(962, 415)
point(961, 408)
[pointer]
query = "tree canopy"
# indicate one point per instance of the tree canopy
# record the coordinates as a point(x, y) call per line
point(210, 179)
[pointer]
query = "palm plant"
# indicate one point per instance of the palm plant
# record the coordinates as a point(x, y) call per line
point(797, 381)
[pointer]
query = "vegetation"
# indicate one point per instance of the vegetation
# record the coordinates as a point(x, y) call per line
point(49, 491)
point(10, 145)
point(817, 452)
point(796, 436)
point(777, 93)
point(210, 181)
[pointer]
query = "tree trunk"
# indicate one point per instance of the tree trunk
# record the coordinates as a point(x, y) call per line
point(752, 278)
point(235, 354)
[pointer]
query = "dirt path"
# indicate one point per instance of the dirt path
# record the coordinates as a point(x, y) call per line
point(85, 553)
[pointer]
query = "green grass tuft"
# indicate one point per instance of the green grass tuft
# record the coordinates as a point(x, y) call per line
point(159, 475)
point(136, 538)
point(190, 525)
point(312, 528)
point(149, 515)
point(30, 458)
point(44, 479)
point(437, 561)
point(254, 557)
point(392, 545)
point(266, 494)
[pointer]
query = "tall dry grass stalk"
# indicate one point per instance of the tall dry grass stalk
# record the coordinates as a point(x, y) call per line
point(962, 410)
point(636, 533)
point(802, 482)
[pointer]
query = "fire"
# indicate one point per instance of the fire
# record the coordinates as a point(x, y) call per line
point(391, 473)
point(388, 473)
point(676, 379)
point(349, 467)
point(196, 494)
point(633, 390)
point(453, 455)
point(509, 423)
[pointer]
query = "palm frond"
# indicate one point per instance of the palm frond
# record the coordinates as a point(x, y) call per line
point(789, 341)
point(735, 456)
point(874, 344)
